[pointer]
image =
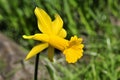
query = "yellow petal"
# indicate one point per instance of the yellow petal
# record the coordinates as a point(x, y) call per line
point(58, 42)
point(57, 24)
point(50, 53)
point(72, 55)
point(62, 33)
point(44, 21)
point(35, 50)
point(40, 37)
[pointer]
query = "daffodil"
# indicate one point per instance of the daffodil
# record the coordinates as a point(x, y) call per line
point(52, 36)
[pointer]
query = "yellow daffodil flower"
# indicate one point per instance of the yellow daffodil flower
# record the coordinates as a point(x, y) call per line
point(52, 36)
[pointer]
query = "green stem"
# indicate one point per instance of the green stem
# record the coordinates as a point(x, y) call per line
point(36, 67)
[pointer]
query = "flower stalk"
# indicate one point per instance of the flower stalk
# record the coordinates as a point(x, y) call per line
point(36, 67)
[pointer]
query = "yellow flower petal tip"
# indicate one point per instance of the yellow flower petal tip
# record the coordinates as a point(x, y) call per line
point(38, 9)
point(26, 37)
point(27, 57)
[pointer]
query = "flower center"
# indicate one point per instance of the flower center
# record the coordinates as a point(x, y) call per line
point(58, 42)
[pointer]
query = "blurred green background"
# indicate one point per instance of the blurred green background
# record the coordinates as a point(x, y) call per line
point(96, 21)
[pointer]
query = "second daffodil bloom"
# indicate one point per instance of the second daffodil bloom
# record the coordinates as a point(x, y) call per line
point(52, 36)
